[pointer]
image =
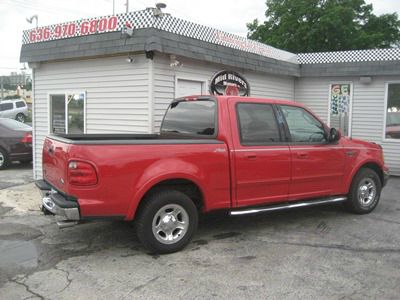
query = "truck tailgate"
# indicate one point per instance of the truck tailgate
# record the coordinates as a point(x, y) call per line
point(55, 158)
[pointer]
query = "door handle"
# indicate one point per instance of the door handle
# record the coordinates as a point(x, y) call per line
point(250, 156)
point(302, 155)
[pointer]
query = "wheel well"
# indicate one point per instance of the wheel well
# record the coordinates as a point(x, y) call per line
point(185, 186)
point(374, 167)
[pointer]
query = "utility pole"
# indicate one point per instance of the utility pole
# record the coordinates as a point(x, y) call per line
point(127, 6)
point(2, 88)
point(113, 7)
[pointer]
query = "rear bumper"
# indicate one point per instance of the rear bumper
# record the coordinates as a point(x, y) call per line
point(58, 204)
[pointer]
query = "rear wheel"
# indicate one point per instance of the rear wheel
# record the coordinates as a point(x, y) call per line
point(365, 192)
point(20, 118)
point(4, 160)
point(167, 221)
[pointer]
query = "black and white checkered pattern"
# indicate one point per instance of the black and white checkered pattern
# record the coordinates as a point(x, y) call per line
point(349, 56)
point(147, 19)
point(137, 19)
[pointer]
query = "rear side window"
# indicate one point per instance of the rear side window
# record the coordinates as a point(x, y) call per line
point(20, 104)
point(191, 118)
point(257, 124)
point(6, 106)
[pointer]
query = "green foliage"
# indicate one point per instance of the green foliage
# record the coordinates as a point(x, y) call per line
point(325, 25)
point(12, 97)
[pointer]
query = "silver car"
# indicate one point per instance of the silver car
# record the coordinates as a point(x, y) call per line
point(14, 109)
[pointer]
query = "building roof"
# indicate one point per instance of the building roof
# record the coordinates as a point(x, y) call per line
point(154, 32)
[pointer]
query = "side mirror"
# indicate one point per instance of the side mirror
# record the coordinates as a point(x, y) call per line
point(334, 135)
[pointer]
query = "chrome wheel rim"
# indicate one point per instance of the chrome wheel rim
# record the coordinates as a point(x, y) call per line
point(170, 224)
point(1, 159)
point(366, 192)
point(21, 118)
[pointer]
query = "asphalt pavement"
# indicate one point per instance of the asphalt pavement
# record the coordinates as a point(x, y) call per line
point(311, 253)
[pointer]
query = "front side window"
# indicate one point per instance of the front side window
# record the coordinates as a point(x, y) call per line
point(303, 127)
point(196, 117)
point(6, 106)
point(257, 124)
point(392, 126)
point(67, 113)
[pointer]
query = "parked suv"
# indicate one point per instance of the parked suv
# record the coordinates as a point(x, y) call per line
point(14, 109)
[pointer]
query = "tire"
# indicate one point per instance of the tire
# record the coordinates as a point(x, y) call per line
point(365, 192)
point(20, 118)
point(4, 159)
point(166, 221)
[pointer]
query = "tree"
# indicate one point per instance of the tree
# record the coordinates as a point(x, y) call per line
point(325, 25)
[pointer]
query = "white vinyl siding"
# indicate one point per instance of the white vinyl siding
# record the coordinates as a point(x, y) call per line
point(367, 111)
point(116, 94)
point(166, 77)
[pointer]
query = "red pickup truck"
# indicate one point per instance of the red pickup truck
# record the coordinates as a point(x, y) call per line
point(241, 154)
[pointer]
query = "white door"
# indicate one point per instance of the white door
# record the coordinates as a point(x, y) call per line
point(188, 88)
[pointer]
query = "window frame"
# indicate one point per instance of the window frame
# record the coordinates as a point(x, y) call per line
point(281, 131)
point(384, 138)
point(65, 93)
point(287, 130)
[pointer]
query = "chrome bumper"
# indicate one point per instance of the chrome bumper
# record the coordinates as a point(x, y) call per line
point(68, 213)
point(57, 204)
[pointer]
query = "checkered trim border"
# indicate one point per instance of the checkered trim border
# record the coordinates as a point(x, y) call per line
point(147, 19)
point(349, 56)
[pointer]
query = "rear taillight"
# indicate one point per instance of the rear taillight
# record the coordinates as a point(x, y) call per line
point(81, 173)
point(27, 138)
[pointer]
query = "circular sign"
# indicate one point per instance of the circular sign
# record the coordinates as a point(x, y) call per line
point(229, 83)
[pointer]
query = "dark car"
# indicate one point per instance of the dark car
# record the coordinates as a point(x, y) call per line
point(15, 142)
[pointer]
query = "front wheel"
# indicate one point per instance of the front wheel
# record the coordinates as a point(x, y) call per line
point(167, 221)
point(365, 192)
point(4, 160)
point(20, 118)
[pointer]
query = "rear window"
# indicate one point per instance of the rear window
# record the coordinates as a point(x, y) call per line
point(20, 104)
point(6, 106)
point(14, 125)
point(190, 117)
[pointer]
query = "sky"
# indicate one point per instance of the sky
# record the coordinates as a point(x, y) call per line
point(228, 15)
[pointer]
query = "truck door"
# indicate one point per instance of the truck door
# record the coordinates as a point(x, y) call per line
point(317, 166)
point(261, 159)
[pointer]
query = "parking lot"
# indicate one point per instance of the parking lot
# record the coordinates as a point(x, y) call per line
point(321, 253)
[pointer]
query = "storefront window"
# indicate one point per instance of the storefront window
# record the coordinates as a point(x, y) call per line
point(392, 128)
point(67, 113)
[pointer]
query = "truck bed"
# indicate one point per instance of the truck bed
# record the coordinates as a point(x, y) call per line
point(128, 139)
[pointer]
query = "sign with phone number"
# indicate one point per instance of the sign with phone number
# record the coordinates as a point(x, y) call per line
point(72, 29)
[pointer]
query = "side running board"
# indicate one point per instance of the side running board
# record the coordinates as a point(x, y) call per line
point(286, 205)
